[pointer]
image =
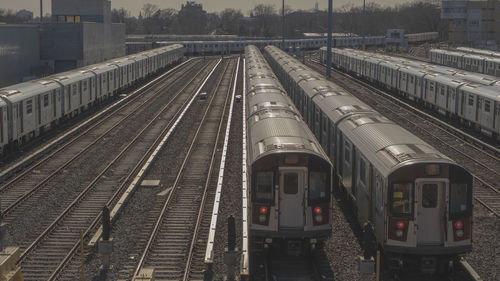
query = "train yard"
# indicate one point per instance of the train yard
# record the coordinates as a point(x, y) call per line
point(168, 158)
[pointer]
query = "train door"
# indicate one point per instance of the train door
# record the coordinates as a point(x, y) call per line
point(291, 203)
point(431, 194)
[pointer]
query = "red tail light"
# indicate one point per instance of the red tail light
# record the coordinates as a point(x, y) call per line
point(398, 229)
point(260, 214)
point(400, 225)
point(461, 229)
point(320, 215)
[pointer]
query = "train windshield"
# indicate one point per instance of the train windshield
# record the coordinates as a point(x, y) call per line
point(264, 186)
point(318, 186)
point(458, 198)
point(401, 198)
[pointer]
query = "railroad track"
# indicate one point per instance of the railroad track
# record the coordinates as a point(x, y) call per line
point(173, 248)
point(482, 160)
point(24, 187)
point(51, 250)
point(278, 266)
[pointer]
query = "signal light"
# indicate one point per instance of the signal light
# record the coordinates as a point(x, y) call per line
point(400, 225)
point(263, 210)
point(317, 210)
point(459, 224)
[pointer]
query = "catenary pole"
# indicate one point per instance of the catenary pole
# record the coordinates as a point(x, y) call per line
point(283, 30)
point(329, 43)
point(364, 23)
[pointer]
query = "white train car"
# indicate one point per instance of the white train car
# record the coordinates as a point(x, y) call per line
point(473, 99)
point(29, 108)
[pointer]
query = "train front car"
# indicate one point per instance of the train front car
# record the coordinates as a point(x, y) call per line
point(417, 201)
point(429, 211)
point(290, 175)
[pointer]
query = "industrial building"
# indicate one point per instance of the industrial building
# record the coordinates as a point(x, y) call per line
point(475, 23)
point(79, 34)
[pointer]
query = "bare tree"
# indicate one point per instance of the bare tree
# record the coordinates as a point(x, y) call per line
point(149, 10)
point(229, 19)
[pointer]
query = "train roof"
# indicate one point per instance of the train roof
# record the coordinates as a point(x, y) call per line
point(484, 91)
point(274, 123)
point(22, 91)
point(380, 140)
point(72, 76)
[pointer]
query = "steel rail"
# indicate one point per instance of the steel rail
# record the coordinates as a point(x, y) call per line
point(189, 261)
point(174, 187)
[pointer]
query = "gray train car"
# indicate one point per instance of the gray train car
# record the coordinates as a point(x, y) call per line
point(290, 175)
point(417, 201)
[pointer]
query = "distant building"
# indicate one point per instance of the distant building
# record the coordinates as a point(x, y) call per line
point(316, 6)
point(80, 34)
point(472, 22)
point(25, 14)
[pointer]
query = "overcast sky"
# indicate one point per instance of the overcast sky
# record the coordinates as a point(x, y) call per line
point(210, 5)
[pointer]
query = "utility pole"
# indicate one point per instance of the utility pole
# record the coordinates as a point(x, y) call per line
point(487, 19)
point(329, 43)
point(364, 24)
point(283, 30)
point(41, 11)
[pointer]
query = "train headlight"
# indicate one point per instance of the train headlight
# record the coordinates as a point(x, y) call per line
point(318, 218)
point(399, 233)
point(459, 233)
point(262, 218)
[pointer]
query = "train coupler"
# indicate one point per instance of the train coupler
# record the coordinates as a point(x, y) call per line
point(428, 265)
point(294, 247)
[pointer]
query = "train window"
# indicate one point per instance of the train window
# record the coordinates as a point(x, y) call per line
point(29, 106)
point(317, 186)
point(264, 186)
point(362, 170)
point(430, 195)
point(290, 183)
point(85, 85)
point(442, 91)
point(401, 198)
point(46, 100)
point(487, 106)
point(471, 100)
point(458, 198)
point(347, 153)
point(74, 89)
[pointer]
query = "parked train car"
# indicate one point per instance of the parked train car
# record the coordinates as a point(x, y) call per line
point(290, 175)
point(238, 46)
point(471, 99)
point(466, 76)
point(29, 108)
point(418, 38)
point(481, 52)
point(417, 200)
point(470, 62)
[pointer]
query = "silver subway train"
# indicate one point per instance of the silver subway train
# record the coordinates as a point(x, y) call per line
point(29, 108)
point(467, 61)
point(290, 175)
point(471, 99)
point(417, 201)
point(238, 46)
